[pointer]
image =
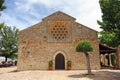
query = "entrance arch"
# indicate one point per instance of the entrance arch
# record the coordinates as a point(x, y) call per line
point(59, 61)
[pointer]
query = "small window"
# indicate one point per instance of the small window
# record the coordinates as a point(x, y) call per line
point(55, 25)
point(55, 31)
point(59, 38)
point(55, 37)
point(51, 31)
point(61, 28)
point(53, 34)
point(57, 34)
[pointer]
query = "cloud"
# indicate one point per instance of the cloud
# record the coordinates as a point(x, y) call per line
point(22, 6)
point(48, 3)
point(88, 15)
point(12, 21)
point(29, 12)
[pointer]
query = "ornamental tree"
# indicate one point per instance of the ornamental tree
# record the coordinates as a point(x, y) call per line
point(85, 47)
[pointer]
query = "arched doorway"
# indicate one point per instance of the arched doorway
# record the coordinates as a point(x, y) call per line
point(59, 61)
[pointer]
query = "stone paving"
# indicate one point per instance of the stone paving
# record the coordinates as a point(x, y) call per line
point(103, 74)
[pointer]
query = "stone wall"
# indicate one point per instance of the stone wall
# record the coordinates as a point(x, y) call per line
point(37, 55)
point(37, 47)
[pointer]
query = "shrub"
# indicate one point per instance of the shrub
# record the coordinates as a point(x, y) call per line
point(69, 63)
point(51, 63)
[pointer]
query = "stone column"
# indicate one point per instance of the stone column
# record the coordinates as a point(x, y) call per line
point(104, 59)
point(118, 57)
point(110, 60)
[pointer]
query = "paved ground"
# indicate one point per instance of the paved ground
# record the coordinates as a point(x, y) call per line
point(104, 74)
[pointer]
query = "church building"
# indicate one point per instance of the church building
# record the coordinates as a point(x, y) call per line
point(55, 39)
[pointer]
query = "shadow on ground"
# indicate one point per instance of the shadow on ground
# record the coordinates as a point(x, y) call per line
point(9, 72)
point(99, 75)
point(77, 76)
point(13, 71)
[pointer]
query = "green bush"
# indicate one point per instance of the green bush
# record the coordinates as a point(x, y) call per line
point(51, 63)
point(69, 63)
point(84, 46)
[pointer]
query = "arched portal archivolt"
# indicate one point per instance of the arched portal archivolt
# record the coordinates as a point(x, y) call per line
point(55, 55)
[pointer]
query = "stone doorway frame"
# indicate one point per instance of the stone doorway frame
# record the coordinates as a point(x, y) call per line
point(56, 53)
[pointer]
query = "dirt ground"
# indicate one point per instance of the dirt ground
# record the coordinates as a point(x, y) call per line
point(10, 73)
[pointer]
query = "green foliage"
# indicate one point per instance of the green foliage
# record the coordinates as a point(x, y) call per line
point(1, 25)
point(111, 14)
point(69, 63)
point(107, 38)
point(9, 42)
point(111, 17)
point(2, 7)
point(84, 46)
point(50, 63)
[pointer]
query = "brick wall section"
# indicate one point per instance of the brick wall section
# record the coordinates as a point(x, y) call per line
point(37, 48)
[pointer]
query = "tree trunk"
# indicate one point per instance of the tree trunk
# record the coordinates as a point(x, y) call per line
point(88, 63)
point(5, 59)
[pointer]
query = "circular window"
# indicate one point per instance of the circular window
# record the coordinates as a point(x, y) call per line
point(59, 30)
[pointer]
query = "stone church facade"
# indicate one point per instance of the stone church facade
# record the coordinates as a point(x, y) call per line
point(55, 38)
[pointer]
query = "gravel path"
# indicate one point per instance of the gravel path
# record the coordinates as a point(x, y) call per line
point(104, 74)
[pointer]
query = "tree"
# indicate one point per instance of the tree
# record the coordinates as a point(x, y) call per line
point(85, 46)
point(111, 17)
point(2, 7)
point(107, 38)
point(1, 25)
point(9, 42)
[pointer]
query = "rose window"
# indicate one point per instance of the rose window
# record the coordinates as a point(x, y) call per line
point(59, 30)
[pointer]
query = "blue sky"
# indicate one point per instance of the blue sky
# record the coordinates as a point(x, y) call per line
point(25, 13)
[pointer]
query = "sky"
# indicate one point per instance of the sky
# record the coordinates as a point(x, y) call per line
point(25, 13)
